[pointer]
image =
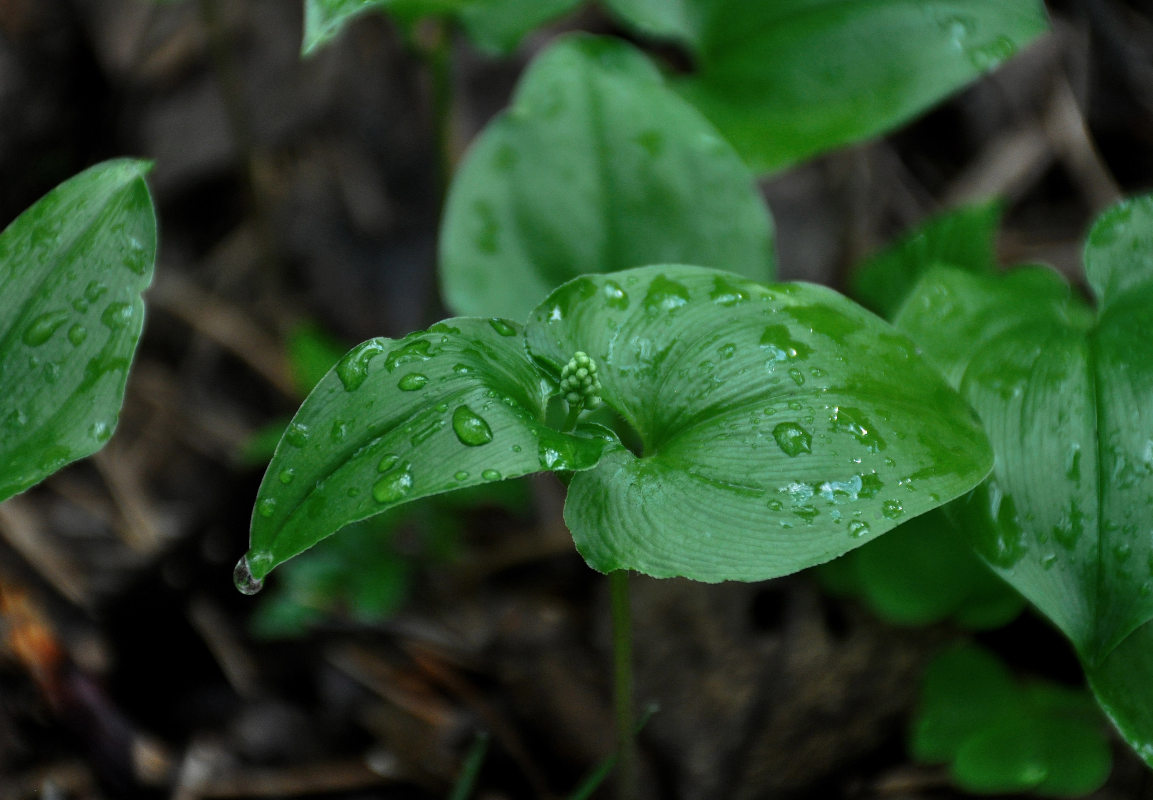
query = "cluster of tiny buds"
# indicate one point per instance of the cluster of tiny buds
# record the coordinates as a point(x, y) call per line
point(579, 383)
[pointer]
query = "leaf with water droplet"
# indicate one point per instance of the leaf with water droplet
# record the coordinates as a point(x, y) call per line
point(583, 197)
point(75, 265)
point(396, 445)
point(1064, 393)
point(708, 492)
point(788, 79)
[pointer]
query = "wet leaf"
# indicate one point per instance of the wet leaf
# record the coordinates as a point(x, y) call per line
point(1064, 395)
point(788, 79)
point(454, 406)
point(597, 166)
point(779, 426)
point(72, 269)
point(961, 238)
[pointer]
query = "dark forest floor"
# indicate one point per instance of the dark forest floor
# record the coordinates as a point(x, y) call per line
point(292, 191)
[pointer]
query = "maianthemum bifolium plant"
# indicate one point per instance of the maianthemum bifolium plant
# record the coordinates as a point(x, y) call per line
point(709, 423)
point(72, 270)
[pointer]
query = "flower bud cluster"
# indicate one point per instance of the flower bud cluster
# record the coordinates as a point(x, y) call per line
point(579, 383)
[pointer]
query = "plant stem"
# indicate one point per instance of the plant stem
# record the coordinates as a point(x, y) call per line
point(623, 686)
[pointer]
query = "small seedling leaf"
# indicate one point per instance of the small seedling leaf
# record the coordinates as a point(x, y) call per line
point(72, 270)
point(597, 166)
point(780, 426)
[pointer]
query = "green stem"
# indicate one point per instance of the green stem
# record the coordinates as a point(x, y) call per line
point(574, 412)
point(623, 686)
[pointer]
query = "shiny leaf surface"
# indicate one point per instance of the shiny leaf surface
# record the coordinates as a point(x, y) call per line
point(72, 269)
point(454, 406)
point(1064, 398)
point(788, 79)
point(597, 166)
point(779, 426)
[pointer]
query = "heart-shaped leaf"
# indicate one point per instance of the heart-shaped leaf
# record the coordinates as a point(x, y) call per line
point(596, 167)
point(787, 79)
point(779, 426)
point(1065, 397)
point(72, 269)
point(454, 406)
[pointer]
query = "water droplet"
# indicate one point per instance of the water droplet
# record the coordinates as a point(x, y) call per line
point(991, 54)
point(353, 368)
point(470, 428)
point(16, 419)
point(892, 509)
point(412, 382)
point(426, 431)
point(266, 507)
point(135, 258)
point(727, 351)
point(727, 293)
point(415, 351)
point(100, 430)
point(94, 291)
point(853, 421)
point(779, 342)
point(287, 475)
point(665, 295)
point(394, 486)
point(1048, 560)
point(806, 512)
point(615, 296)
point(797, 377)
point(339, 431)
point(858, 529)
point(117, 316)
point(491, 475)
point(297, 434)
point(1122, 551)
point(502, 326)
point(77, 334)
point(243, 579)
point(793, 439)
point(42, 328)
point(387, 462)
point(461, 475)
point(462, 369)
point(775, 505)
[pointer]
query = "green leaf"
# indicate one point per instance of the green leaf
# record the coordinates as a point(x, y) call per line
point(1064, 395)
point(72, 269)
point(964, 690)
point(1121, 684)
point(499, 25)
point(780, 426)
point(961, 238)
point(596, 167)
point(788, 79)
point(494, 25)
point(925, 572)
point(1001, 736)
point(679, 20)
point(454, 406)
point(324, 19)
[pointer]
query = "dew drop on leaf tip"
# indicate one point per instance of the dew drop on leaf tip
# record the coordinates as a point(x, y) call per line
point(243, 578)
